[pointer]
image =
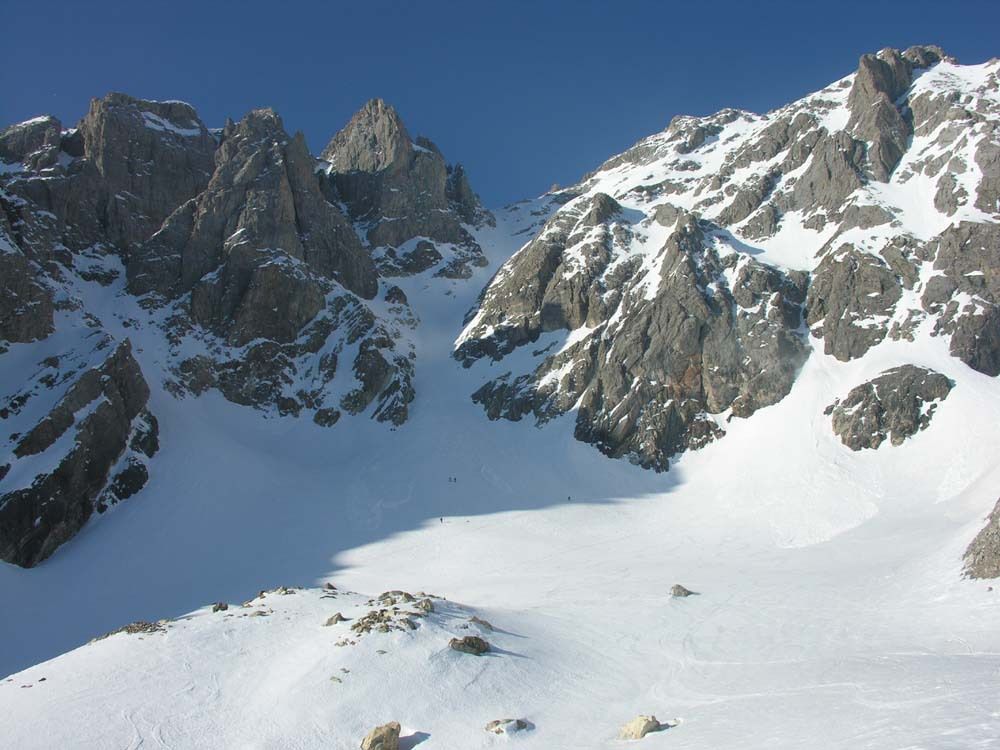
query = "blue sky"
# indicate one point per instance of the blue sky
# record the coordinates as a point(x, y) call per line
point(524, 94)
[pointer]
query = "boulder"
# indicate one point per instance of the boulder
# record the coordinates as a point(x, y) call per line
point(385, 737)
point(469, 644)
point(639, 727)
point(508, 726)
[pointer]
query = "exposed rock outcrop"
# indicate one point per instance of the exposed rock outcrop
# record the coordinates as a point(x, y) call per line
point(469, 644)
point(895, 405)
point(63, 463)
point(508, 726)
point(964, 293)
point(26, 302)
point(385, 737)
point(639, 727)
point(681, 591)
point(277, 274)
point(850, 301)
point(656, 346)
point(982, 558)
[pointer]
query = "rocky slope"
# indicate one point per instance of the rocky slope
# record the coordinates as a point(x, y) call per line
point(679, 285)
point(251, 268)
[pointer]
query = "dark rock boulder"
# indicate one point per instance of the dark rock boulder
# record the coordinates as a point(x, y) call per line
point(895, 405)
point(469, 644)
point(385, 737)
point(90, 430)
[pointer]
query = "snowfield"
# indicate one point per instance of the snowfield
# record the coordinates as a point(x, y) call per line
point(831, 612)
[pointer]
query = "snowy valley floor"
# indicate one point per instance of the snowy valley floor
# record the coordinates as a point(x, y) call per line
point(831, 614)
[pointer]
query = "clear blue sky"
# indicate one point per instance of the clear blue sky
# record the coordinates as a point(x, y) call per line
point(523, 93)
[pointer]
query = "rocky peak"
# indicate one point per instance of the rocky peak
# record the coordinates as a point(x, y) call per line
point(878, 114)
point(34, 143)
point(150, 158)
point(397, 190)
point(373, 140)
point(263, 195)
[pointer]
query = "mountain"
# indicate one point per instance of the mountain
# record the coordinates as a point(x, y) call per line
point(246, 260)
point(281, 380)
point(691, 269)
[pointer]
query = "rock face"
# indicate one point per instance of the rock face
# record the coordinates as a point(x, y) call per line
point(851, 296)
point(82, 455)
point(385, 737)
point(263, 195)
point(150, 156)
point(399, 189)
point(26, 304)
point(982, 558)
point(656, 346)
point(896, 405)
point(964, 293)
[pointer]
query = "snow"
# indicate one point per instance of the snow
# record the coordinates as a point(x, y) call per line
point(155, 122)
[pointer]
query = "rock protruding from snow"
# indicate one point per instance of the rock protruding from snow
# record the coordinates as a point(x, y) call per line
point(508, 726)
point(982, 558)
point(850, 301)
point(964, 292)
point(469, 644)
point(401, 191)
point(63, 463)
point(895, 405)
point(681, 591)
point(639, 727)
point(385, 737)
